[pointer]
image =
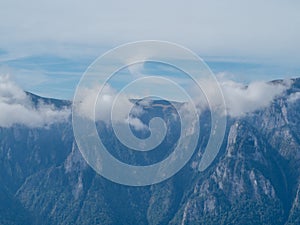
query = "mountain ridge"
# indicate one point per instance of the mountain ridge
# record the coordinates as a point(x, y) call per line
point(255, 178)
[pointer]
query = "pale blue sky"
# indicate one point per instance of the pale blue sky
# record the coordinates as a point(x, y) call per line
point(46, 46)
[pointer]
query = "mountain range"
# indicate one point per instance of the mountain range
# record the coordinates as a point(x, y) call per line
point(255, 178)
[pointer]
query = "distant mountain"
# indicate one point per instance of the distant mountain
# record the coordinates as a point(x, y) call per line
point(255, 178)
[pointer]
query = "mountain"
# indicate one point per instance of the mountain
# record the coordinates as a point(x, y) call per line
point(255, 178)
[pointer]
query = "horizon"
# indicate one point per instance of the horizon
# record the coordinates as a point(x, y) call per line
point(245, 42)
point(245, 84)
point(150, 112)
point(51, 84)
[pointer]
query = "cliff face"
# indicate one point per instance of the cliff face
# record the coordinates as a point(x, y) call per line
point(254, 180)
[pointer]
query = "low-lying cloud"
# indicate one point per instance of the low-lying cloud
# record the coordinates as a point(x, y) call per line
point(241, 100)
point(108, 101)
point(17, 108)
point(294, 97)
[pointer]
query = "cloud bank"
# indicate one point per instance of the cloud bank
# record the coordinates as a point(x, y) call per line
point(294, 97)
point(241, 100)
point(16, 107)
point(249, 28)
point(124, 110)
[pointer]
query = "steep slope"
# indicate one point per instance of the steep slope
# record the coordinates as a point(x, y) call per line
point(254, 180)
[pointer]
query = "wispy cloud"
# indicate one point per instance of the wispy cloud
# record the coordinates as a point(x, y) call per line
point(265, 29)
point(108, 101)
point(265, 32)
point(294, 97)
point(241, 100)
point(18, 108)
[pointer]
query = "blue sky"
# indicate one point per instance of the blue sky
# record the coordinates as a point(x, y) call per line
point(46, 46)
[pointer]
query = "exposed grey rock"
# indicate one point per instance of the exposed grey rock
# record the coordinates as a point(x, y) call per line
point(254, 180)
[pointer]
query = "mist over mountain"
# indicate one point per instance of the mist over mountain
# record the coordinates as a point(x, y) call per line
point(255, 178)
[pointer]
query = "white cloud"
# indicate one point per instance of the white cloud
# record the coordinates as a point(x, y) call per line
point(108, 101)
point(17, 108)
point(294, 97)
point(255, 31)
point(241, 28)
point(240, 99)
point(136, 123)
